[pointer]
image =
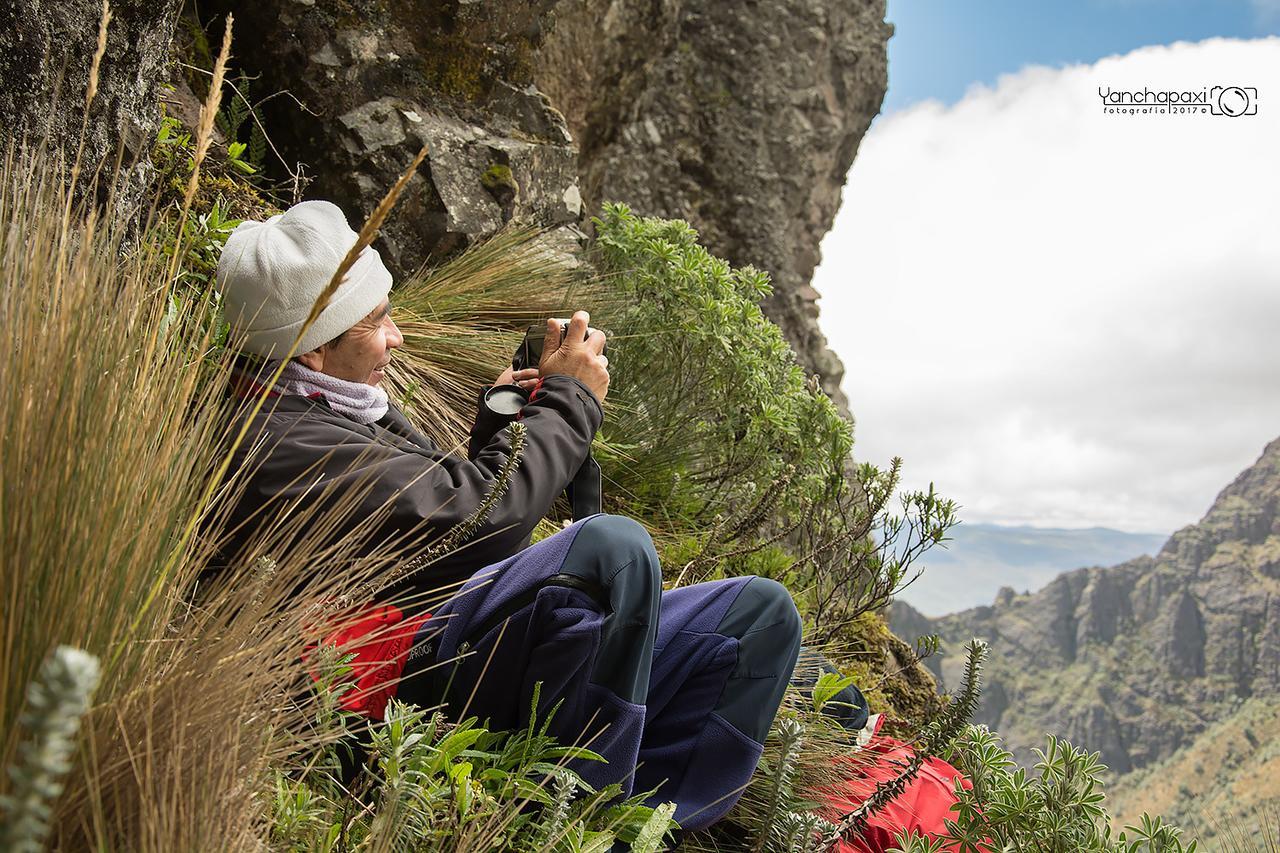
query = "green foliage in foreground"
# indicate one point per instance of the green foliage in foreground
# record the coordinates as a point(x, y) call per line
point(717, 438)
point(716, 407)
point(431, 784)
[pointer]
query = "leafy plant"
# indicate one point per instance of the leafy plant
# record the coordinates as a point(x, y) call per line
point(717, 438)
point(713, 407)
point(829, 684)
point(246, 157)
point(432, 784)
point(1058, 808)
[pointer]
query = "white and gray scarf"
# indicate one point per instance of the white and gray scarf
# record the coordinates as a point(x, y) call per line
point(363, 403)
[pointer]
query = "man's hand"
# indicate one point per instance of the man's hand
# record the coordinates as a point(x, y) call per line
point(580, 356)
point(526, 378)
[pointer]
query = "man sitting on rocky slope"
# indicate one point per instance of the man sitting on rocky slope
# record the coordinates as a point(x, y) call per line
point(676, 689)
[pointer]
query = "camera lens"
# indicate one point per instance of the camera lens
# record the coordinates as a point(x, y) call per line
point(505, 399)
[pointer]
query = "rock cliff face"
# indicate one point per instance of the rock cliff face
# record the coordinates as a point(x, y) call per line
point(1138, 659)
point(46, 50)
point(742, 119)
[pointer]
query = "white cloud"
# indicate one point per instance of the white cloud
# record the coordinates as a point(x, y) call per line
point(1063, 317)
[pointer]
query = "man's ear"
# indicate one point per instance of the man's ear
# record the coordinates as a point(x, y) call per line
point(313, 360)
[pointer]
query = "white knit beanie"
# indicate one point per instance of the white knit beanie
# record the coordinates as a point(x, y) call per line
point(270, 274)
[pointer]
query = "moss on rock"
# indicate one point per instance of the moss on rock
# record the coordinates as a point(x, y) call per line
point(498, 179)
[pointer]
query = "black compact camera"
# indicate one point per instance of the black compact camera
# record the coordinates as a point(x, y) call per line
point(529, 353)
point(584, 491)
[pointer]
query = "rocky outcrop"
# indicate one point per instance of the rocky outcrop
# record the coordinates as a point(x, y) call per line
point(1104, 611)
point(741, 118)
point(374, 82)
point(46, 50)
point(1137, 660)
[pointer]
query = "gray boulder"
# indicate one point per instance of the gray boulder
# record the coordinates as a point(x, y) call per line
point(374, 82)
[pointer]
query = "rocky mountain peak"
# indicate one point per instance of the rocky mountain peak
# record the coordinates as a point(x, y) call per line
point(1137, 659)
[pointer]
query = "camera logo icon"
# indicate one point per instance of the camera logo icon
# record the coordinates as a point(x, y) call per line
point(1233, 101)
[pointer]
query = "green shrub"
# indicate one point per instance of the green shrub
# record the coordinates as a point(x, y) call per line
point(720, 443)
point(711, 407)
point(1058, 808)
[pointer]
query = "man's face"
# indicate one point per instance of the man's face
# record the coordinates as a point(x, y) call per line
point(363, 352)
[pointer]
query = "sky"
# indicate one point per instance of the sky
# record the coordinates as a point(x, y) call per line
point(942, 47)
point(1059, 316)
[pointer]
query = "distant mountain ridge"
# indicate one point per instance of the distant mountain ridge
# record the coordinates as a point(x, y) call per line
point(980, 559)
point(1138, 660)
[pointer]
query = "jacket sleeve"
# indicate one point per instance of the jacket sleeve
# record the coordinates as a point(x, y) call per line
point(486, 426)
point(419, 493)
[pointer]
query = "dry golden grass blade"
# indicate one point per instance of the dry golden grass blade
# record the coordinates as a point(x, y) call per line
point(103, 22)
point(91, 90)
point(208, 112)
point(368, 233)
point(203, 138)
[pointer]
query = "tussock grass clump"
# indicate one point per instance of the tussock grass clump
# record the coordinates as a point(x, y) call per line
point(114, 437)
point(107, 437)
point(462, 321)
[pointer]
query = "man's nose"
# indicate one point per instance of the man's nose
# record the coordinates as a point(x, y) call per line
point(394, 338)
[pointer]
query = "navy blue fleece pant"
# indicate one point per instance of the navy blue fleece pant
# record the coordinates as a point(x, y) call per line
point(675, 689)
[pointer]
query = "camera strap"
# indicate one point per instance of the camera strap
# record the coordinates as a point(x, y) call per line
point(584, 489)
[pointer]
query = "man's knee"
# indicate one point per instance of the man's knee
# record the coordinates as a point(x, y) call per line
point(615, 556)
point(615, 533)
point(764, 615)
point(612, 548)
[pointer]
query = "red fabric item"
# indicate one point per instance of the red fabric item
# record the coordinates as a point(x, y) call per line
point(380, 638)
point(242, 386)
point(924, 804)
point(537, 386)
